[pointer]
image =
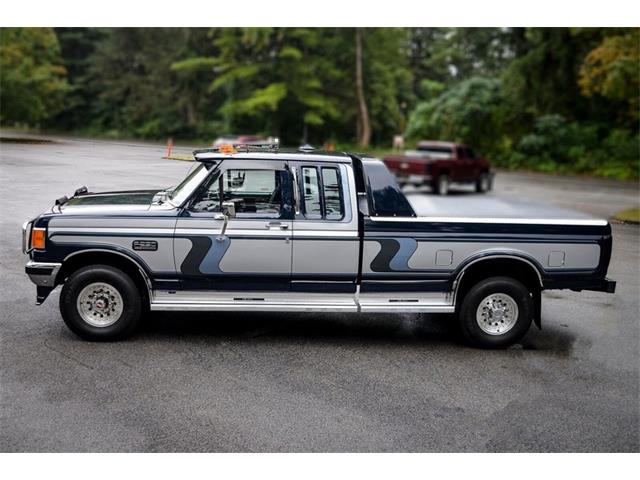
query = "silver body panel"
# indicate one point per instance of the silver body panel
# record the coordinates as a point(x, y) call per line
point(448, 256)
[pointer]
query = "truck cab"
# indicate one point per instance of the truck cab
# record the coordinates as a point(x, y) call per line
point(264, 229)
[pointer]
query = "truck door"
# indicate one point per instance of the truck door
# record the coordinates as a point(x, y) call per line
point(325, 230)
point(253, 251)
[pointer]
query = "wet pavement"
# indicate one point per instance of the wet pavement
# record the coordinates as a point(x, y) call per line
point(312, 382)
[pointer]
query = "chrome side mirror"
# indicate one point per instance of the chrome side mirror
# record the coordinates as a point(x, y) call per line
point(229, 208)
point(228, 211)
point(225, 218)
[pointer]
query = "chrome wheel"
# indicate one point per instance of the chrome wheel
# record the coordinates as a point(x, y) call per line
point(100, 304)
point(497, 314)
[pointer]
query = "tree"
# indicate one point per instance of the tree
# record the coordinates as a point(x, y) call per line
point(134, 91)
point(364, 123)
point(271, 78)
point(77, 46)
point(464, 113)
point(32, 78)
point(612, 70)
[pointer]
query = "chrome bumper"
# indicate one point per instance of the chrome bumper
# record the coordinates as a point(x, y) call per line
point(42, 274)
point(412, 177)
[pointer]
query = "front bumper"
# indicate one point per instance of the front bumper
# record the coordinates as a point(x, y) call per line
point(43, 274)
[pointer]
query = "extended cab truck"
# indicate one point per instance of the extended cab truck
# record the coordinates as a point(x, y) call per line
point(438, 165)
point(268, 230)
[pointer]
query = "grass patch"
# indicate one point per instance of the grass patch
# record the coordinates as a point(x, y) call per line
point(630, 215)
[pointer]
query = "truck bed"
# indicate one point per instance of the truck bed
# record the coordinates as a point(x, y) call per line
point(475, 206)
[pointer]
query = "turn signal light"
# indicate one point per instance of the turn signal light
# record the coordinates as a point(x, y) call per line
point(37, 238)
point(227, 148)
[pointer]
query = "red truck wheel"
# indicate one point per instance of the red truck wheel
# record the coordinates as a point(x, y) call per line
point(442, 184)
point(483, 183)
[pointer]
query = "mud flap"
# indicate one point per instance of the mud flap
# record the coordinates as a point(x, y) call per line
point(42, 293)
point(537, 309)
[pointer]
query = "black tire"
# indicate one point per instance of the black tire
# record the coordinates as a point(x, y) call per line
point(131, 308)
point(441, 187)
point(483, 183)
point(470, 315)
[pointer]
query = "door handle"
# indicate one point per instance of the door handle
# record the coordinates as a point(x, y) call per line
point(281, 225)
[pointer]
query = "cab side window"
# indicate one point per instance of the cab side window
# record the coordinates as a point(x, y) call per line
point(332, 194)
point(311, 192)
point(255, 193)
point(322, 193)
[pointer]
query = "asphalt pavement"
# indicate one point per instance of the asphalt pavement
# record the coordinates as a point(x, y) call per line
point(311, 382)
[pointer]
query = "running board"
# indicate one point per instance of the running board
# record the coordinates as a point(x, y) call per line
point(203, 301)
point(425, 302)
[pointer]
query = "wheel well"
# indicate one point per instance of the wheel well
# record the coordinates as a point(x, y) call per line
point(517, 269)
point(115, 260)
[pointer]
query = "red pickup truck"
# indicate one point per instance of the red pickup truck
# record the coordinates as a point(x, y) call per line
point(438, 165)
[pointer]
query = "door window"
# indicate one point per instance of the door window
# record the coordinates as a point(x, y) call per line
point(256, 193)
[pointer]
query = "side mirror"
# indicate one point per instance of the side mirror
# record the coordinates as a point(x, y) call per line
point(229, 208)
point(228, 211)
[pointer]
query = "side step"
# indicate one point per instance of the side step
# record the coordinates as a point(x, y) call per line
point(169, 300)
point(252, 301)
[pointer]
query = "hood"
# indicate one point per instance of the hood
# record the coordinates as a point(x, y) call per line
point(131, 200)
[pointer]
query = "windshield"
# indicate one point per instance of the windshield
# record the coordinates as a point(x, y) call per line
point(180, 193)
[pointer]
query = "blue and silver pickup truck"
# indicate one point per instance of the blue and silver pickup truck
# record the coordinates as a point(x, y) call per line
point(260, 229)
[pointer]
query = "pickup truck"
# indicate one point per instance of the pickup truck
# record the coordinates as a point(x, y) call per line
point(264, 229)
point(438, 165)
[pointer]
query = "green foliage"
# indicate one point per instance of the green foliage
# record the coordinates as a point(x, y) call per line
point(464, 113)
point(32, 76)
point(612, 70)
point(556, 145)
point(552, 99)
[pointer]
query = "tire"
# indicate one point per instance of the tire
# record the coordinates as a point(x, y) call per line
point(504, 324)
point(483, 183)
point(101, 303)
point(442, 184)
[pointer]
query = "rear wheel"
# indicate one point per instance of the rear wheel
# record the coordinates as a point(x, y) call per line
point(496, 313)
point(100, 302)
point(442, 184)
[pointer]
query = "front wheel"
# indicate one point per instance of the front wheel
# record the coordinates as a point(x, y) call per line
point(496, 313)
point(100, 303)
